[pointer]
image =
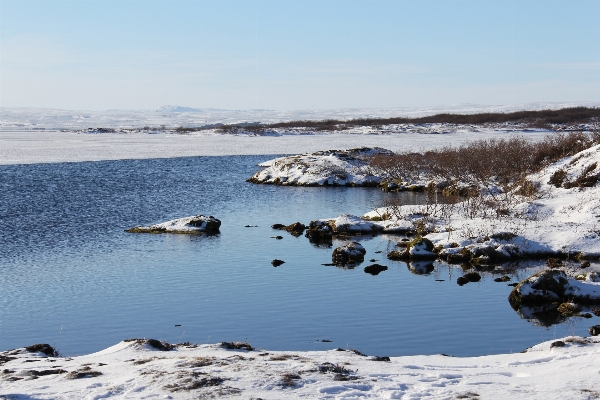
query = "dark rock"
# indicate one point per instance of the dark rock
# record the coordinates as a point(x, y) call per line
point(585, 264)
point(378, 358)
point(278, 226)
point(353, 252)
point(157, 344)
point(513, 284)
point(296, 227)
point(462, 280)
point(277, 237)
point(277, 263)
point(558, 343)
point(544, 287)
point(505, 278)
point(375, 269)
point(397, 255)
point(584, 315)
point(472, 277)
point(210, 224)
point(236, 346)
point(43, 348)
point(319, 232)
point(594, 330)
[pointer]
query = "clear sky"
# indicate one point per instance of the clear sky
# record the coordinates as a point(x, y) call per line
point(284, 54)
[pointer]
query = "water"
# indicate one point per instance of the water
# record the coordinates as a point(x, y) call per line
point(70, 276)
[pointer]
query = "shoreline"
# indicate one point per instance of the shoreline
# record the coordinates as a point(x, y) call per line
point(142, 368)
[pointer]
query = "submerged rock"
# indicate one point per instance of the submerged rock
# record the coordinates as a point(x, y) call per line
point(187, 225)
point(353, 252)
point(277, 263)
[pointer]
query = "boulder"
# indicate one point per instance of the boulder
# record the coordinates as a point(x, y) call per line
point(543, 287)
point(319, 232)
point(187, 225)
point(375, 269)
point(353, 252)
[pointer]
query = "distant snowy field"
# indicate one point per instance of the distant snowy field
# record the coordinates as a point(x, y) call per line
point(29, 135)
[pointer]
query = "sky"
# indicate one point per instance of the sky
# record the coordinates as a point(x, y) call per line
point(290, 55)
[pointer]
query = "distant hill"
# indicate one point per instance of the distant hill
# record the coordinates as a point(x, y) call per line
point(176, 109)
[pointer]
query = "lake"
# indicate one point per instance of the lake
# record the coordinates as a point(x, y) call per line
point(71, 277)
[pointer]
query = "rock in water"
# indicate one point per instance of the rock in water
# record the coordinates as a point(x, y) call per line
point(187, 225)
point(353, 252)
point(277, 263)
point(375, 269)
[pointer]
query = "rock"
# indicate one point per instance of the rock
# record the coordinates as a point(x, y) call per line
point(353, 252)
point(375, 269)
point(594, 330)
point(295, 229)
point(379, 358)
point(505, 278)
point(319, 232)
point(421, 248)
point(462, 280)
point(473, 276)
point(187, 225)
point(398, 255)
point(558, 343)
point(43, 348)
point(468, 277)
point(277, 263)
point(277, 237)
point(543, 287)
point(353, 225)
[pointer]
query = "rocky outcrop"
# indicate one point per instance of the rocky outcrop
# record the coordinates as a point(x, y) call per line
point(352, 253)
point(189, 225)
point(418, 249)
point(322, 168)
point(552, 287)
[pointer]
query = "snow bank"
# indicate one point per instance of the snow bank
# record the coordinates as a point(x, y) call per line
point(565, 368)
point(563, 219)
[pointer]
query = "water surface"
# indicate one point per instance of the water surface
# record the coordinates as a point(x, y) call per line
point(71, 277)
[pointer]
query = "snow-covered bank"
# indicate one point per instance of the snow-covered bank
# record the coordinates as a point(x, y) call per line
point(558, 369)
point(561, 218)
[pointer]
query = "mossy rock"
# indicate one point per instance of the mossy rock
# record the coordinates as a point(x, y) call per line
point(398, 255)
point(421, 241)
point(541, 288)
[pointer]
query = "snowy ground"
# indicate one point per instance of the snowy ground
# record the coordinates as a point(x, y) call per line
point(566, 368)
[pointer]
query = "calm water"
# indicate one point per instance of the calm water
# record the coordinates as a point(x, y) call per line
point(70, 276)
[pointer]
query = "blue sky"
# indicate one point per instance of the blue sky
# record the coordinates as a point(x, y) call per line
point(296, 54)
